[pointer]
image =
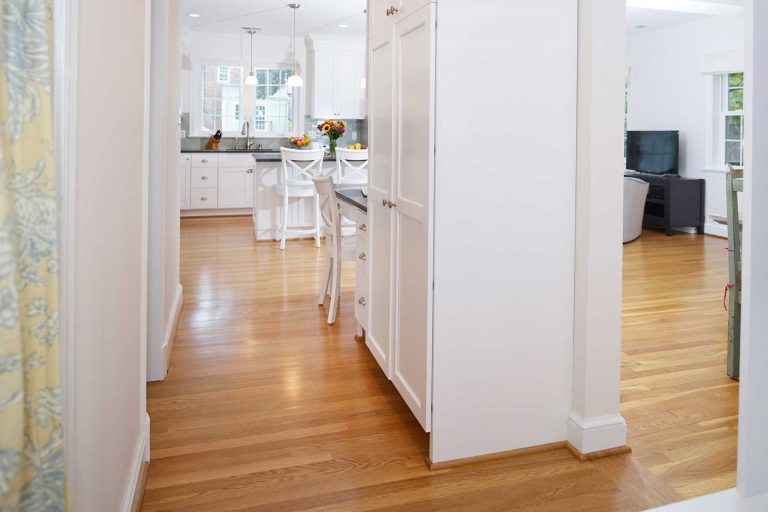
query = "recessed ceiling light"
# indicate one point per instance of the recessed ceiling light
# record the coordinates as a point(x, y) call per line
point(343, 26)
point(194, 15)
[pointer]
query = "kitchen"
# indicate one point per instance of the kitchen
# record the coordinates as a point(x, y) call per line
point(255, 121)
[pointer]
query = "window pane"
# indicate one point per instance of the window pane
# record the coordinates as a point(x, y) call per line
point(733, 127)
point(735, 100)
point(736, 80)
point(733, 152)
point(261, 75)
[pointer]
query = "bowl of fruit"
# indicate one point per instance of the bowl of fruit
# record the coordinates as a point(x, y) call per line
point(357, 146)
point(300, 142)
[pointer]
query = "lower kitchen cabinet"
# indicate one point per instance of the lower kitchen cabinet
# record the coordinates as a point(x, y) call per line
point(235, 187)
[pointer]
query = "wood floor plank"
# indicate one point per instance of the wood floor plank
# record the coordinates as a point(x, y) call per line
point(268, 408)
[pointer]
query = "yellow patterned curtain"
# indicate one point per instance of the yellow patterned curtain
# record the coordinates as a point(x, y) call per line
point(31, 437)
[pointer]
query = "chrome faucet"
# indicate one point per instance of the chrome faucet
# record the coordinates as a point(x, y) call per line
point(247, 132)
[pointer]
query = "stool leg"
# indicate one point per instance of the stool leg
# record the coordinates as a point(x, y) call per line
point(284, 227)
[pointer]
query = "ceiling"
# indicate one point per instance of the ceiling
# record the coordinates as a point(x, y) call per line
point(653, 14)
point(275, 18)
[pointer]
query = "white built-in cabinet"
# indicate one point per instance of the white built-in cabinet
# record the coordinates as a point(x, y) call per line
point(211, 181)
point(336, 68)
point(184, 176)
point(401, 136)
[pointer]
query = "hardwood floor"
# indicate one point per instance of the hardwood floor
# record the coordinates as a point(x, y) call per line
point(267, 408)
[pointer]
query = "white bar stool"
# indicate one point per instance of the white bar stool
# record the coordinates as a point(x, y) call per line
point(295, 181)
point(339, 248)
point(351, 168)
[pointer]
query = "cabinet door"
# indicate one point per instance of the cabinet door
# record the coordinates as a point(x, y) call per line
point(323, 96)
point(184, 182)
point(235, 187)
point(349, 66)
point(414, 170)
point(381, 152)
point(380, 14)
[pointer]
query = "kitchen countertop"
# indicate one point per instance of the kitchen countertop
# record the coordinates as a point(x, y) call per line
point(353, 197)
point(250, 151)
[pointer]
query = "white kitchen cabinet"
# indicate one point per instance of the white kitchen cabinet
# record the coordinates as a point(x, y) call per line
point(335, 71)
point(381, 181)
point(401, 206)
point(235, 181)
point(383, 14)
point(184, 181)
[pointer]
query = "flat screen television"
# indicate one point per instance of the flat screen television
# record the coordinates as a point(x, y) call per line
point(653, 152)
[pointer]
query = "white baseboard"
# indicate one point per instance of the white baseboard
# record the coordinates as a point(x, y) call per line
point(222, 212)
point(712, 228)
point(139, 458)
point(590, 435)
point(173, 324)
point(158, 369)
point(725, 501)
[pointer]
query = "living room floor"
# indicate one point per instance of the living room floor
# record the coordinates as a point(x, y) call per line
point(267, 408)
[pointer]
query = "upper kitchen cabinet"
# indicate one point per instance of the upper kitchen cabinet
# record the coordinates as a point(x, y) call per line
point(385, 13)
point(336, 68)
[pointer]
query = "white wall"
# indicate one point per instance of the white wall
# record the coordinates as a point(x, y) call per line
point(267, 51)
point(106, 367)
point(668, 91)
point(504, 267)
point(164, 289)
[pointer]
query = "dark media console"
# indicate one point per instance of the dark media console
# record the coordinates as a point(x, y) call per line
point(672, 202)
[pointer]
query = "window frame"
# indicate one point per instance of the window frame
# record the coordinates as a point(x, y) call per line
point(196, 95)
point(720, 111)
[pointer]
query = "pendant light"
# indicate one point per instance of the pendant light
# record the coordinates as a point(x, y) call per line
point(295, 79)
point(251, 78)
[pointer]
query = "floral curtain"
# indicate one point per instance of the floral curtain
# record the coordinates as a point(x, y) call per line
point(31, 437)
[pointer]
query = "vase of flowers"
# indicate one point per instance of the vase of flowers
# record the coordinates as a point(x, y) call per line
point(333, 130)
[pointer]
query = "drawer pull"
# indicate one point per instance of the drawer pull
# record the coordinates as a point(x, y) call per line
point(392, 11)
point(204, 160)
point(361, 301)
point(363, 227)
point(362, 256)
point(203, 198)
point(249, 171)
point(384, 203)
point(203, 177)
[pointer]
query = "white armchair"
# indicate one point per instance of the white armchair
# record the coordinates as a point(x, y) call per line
point(635, 193)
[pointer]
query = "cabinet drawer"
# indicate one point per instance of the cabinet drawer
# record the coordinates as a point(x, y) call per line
point(204, 198)
point(363, 227)
point(237, 160)
point(205, 160)
point(362, 254)
point(361, 298)
point(204, 178)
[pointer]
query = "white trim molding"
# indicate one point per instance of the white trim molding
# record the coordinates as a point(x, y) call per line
point(725, 501)
point(172, 325)
point(590, 435)
point(132, 493)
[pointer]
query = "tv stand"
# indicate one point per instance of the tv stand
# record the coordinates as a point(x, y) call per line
point(672, 202)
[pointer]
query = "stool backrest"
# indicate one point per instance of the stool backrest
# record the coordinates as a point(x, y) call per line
point(329, 204)
point(351, 166)
point(302, 164)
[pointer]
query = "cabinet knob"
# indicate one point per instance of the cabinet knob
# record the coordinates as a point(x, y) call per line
point(203, 198)
point(203, 177)
point(361, 301)
point(392, 11)
point(393, 205)
point(384, 203)
point(204, 160)
point(362, 257)
point(363, 227)
point(249, 171)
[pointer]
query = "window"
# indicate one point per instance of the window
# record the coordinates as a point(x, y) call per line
point(626, 117)
point(226, 103)
point(273, 102)
point(220, 102)
point(733, 118)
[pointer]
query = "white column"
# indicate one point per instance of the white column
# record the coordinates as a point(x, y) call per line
point(595, 422)
point(753, 406)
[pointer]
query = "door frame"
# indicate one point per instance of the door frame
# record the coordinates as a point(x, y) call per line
point(752, 471)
